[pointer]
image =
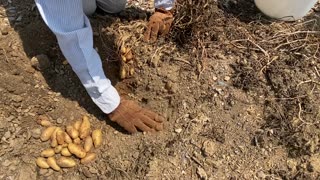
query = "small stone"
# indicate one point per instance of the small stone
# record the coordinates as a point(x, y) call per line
point(171, 87)
point(179, 130)
point(7, 134)
point(292, 164)
point(36, 133)
point(314, 163)
point(13, 168)
point(4, 30)
point(87, 173)
point(19, 18)
point(209, 148)
point(10, 118)
point(16, 98)
point(227, 78)
point(49, 173)
point(202, 173)
point(93, 170)
point(215, 77)
point(155, 61)
point(6, 163)
point(43, 171)
point(261, 175)
point(168, 85)
point(59, 121)
point(40, 62)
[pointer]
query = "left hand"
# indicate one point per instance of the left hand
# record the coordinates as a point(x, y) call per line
point(159, 24)
point(132, 117)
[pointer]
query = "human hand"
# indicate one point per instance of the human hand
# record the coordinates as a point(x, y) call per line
point(159, 24)
point(131, 117)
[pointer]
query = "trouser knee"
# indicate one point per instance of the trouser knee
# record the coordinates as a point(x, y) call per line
point(89, 6)
point(112, 6)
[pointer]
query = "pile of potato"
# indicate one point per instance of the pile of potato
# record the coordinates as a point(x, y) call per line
point(75, 141)
point(127, 62)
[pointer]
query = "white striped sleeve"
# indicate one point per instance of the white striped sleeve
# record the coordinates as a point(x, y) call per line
point(167, 4)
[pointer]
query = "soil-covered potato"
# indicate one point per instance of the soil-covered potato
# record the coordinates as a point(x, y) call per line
point(65, 152)
point(53, 164)
point(77, 141)
point(42, 163)
point(67, 138)
point(84, 130)
point(97, 138)
point(88, 143)
point(77, 150)
point(66, 162)
point(46, 134)
point(44, 121)
point(73, 133)
point(89, 158)
point(77, 125)
point(58, 149)
point(48, 152)
point(60, 137)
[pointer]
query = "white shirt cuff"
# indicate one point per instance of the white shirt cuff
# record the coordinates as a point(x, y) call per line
point(108, 101)
point(167, 4)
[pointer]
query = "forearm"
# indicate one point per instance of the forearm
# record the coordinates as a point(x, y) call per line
point(72, 28)
point(167, 4)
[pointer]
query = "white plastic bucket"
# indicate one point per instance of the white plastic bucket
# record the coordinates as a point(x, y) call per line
point(287, 10)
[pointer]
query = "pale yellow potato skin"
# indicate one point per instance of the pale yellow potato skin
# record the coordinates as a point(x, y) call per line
point(77, 125)
point(84, 130)
point(88, 143)
point(42, 163)
point(65, 152)
point(73, 133)
point(89, 158)
point(97, 138)
point(58, 149)
point(46, 134)
point(77, 150)
point(48, 152)
point(53, 164)
point(66, 162)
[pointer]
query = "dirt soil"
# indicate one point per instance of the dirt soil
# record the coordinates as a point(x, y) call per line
point(240, 93)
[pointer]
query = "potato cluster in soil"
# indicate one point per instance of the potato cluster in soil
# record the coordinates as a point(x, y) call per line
point(74, 142)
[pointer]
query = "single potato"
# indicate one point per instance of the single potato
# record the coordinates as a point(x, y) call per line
point(67, 138)
point(53, 164)
point(48, 152)
point(88, 143)
point(84, 130)
point(97, 138)
point(77, 125)
point(54, 141)
point(65, 152)
point(58, 149)
point(42, 163)
point(89, 158)
point(77, 150)
point(60, 137)
point(77, 141)
point(73, 133)
point(46, 134)
point(66, 162)
point(44, 121)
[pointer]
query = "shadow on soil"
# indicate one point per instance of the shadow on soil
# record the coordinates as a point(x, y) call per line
point(38, 39)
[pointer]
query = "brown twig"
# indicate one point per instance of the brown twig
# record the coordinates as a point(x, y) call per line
point(258, 46)
point(288, 43)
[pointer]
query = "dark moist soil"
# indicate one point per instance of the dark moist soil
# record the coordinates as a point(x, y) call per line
point(240, 93)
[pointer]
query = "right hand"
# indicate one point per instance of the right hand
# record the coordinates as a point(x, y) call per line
point(159, 24)
point(132, 117)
